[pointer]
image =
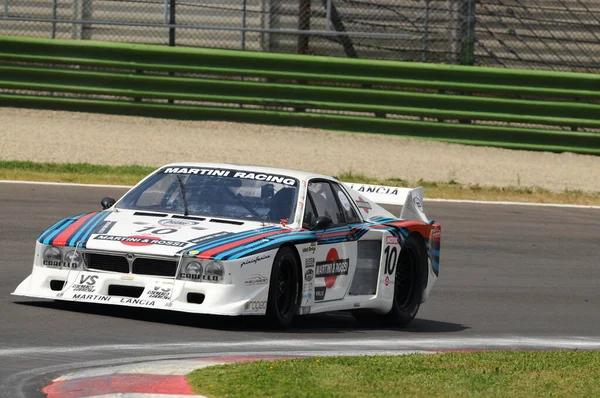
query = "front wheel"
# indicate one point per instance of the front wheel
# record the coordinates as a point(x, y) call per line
point(284, 289)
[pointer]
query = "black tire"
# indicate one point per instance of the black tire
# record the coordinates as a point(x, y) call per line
point(284, 289)
point(410, 282)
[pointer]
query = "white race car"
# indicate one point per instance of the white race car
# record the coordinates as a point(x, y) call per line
point(225, 239)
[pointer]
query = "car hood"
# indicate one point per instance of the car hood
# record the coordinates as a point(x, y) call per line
point(140, 232)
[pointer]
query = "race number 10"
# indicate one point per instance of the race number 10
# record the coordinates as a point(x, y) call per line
point(391, 255)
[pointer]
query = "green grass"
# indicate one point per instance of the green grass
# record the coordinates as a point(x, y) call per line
point(83, 173)
point(452, 189)
point(484, 374)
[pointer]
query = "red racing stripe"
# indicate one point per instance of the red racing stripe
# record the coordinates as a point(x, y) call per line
point(215, 250)
point(61, 239)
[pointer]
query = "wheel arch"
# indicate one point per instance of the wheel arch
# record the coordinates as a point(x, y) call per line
point(424, 271)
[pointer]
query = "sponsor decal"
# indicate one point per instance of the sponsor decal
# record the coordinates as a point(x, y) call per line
point(320, 293)
point(193, 252)
point(391, 240)
point(309, 275)
point(169, 222)
point(60, 264)
point(437, 233)
point(309, 262)
point(310, 248)
point(86, 284)
point(374, 189)
point(304, 310)
point(387, 280)
point(140, 240)
point(344, 200)
point(91, 297)
point(104, 227)
point(256, 279)
point(209, 237)
point(162, 293)
point(363, 204)
point(307, 296)
point(246, 175)
point(417, 203)
point(255, 306)
point(127, 277)
point(331, 268)
point(356, 305)
point(84, 288)
point(148, 303)
point(255, 260)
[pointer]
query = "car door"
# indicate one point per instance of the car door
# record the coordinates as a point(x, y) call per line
point(335, 253)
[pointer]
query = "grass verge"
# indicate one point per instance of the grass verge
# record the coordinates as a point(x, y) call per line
point(484, 374)
point(85, 173)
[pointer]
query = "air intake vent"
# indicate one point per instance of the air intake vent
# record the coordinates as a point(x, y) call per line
point(141, 213)
point(105, 262)
point(151, 266)
point(196, 298)
point(56, 285)
point(189, 217)
point(125, 291)
point(226, 221)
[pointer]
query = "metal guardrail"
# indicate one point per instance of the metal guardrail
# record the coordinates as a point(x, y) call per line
point(550, 111)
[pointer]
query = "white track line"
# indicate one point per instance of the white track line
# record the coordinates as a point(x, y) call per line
point(479, 202)
point(291, 345)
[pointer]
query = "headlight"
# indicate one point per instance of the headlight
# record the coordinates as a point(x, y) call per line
point(52, 257)
point(73, 259)
point(192, 271)
point(214, 271)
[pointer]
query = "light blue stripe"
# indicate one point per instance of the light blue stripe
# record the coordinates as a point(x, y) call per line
point(232, 238)
point(49, 239)
point(81, 229)
point(85, 232)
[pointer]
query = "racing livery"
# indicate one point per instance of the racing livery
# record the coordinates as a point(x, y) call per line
point(227, 239)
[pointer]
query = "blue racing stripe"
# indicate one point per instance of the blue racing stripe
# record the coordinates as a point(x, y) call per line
point(231, 238)
point(52, 229)
point(50, 237)
point(266, 246)
point(85, 231)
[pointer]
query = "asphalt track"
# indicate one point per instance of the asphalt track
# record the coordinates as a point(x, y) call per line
point(511, 277)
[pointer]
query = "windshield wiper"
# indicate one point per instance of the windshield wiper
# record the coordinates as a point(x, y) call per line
point(182, 189)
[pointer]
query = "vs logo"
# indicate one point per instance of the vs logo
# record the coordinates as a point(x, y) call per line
point(89, 280)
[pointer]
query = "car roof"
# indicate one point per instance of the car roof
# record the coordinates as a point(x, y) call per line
point(300, 175)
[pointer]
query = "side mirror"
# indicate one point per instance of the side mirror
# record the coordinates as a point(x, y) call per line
point(107, 202)
point(322, 223)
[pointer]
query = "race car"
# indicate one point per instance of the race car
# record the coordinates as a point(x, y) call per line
point(225, 239)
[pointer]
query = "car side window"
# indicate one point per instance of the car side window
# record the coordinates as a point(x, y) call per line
point(349, 212)
point(310, 214)
point(324, 201)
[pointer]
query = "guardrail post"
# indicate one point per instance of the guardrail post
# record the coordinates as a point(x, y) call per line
point(465, 32)
point(82, 10)
point(172, 23)
point(53, 19)
point(303, 24)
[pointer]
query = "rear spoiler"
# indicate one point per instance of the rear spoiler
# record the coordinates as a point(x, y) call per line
point(411, 199)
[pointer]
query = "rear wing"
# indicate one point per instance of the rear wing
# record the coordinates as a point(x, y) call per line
point(411, 199)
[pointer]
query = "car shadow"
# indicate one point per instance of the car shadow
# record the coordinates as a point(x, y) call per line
point(333, 322)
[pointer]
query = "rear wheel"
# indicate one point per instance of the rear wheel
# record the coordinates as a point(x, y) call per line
point(284, 289)
point(410, 282)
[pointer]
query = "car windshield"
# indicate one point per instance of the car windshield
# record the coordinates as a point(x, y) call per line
point(211, 192)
